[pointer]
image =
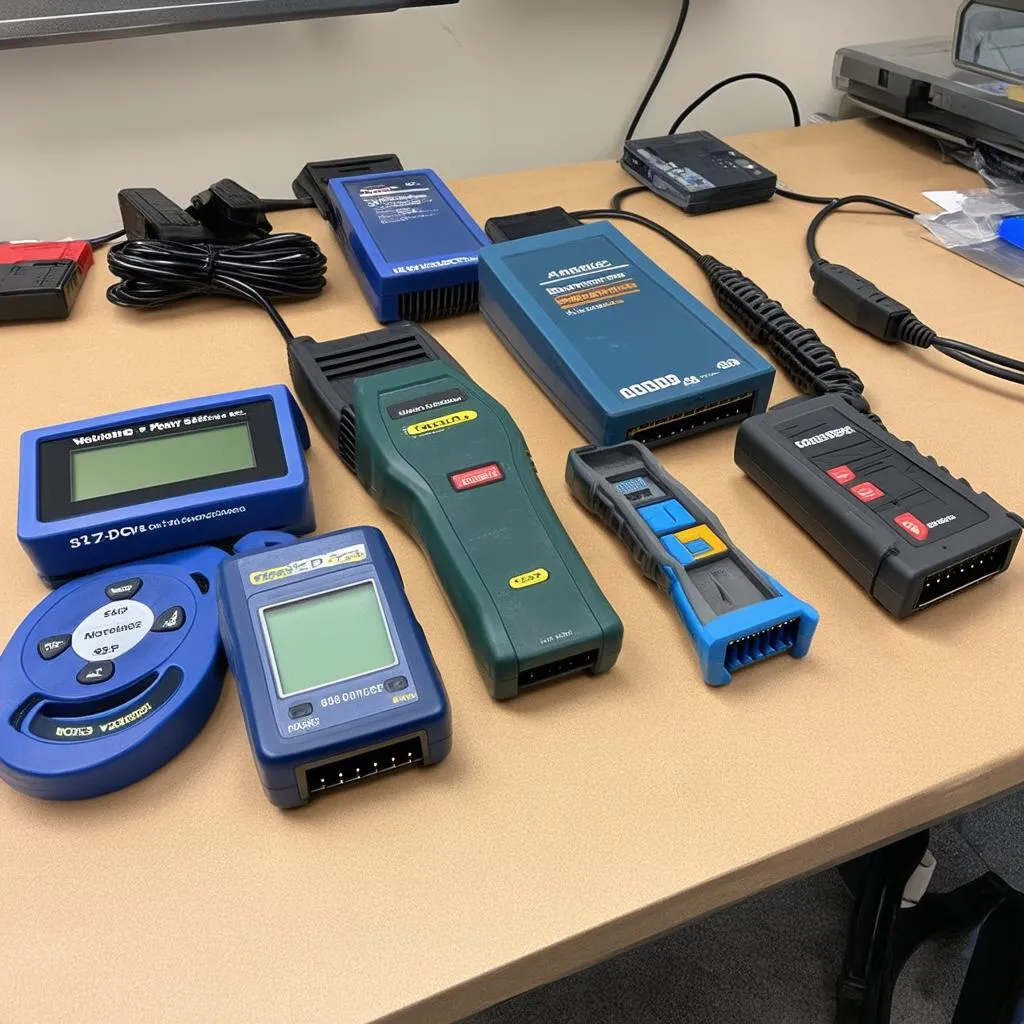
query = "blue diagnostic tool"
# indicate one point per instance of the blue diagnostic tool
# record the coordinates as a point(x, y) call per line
point(410, 242)
point(622, 349)
point(117, 488)
point(736, 614)
point(336, 681)
point(110, 677)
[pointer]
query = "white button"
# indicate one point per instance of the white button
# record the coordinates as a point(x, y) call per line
point(112, 630)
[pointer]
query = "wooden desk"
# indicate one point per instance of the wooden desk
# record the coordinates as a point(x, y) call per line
point(585, 817)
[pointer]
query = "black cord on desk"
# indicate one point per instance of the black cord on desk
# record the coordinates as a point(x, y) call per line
point(863, 304)
point(801, 197)
point(96, 243)
point(623, 194)
point(153, 273)
point(677, 31)
point(833, 205)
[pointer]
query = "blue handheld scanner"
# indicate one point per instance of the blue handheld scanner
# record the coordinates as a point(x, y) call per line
point(116, 488)
point(411, 244)
point(336, 680)
point(735, 613)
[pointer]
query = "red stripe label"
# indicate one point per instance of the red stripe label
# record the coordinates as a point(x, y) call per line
point(478, 476)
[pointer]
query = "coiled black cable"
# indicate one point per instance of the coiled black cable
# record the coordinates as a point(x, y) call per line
point(808, 362)
point(153, 273)
point(801, 354)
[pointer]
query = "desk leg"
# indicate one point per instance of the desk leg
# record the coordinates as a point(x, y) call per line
point(883, 937)
point(868, 977)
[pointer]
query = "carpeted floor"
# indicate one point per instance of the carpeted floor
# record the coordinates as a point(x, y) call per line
point(774, 959)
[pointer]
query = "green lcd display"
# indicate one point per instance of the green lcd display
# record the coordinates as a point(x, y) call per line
point(157, 461)
point(324, 639)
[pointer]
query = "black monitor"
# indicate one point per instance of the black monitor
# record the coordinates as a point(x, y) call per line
point(38, 22)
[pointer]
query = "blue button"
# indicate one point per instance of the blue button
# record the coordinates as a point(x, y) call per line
point(666, 517)
point(697, 546)
point(677, 551)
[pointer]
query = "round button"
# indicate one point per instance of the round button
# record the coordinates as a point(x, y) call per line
point(112, 630)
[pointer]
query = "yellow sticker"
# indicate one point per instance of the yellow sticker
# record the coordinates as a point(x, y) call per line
point(440, 422)
point(528, 579)
point(340, 556)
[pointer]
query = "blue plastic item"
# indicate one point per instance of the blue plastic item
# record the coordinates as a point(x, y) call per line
point(110, 677)
point(411, 244)
point(121, 487)
point(1011, 230)
point(736, 614)
point(337, 683)
point(621, 348)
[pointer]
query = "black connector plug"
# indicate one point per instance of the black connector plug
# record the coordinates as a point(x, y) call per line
point(864, 305)
point(148, 213)
point(311, 184)
point(231, 212)
point(38, 289)
point(532, 222)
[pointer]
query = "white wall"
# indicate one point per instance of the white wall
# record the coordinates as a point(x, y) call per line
point(485, 86)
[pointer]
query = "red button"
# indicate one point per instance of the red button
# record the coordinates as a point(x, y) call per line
point(913, 525)
point(842, 474)
point(467, 479)
point(867, 491)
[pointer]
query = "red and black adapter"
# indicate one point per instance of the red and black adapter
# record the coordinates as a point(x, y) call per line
point(41, 280)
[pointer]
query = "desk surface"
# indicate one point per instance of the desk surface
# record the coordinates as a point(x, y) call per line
point(582, 818)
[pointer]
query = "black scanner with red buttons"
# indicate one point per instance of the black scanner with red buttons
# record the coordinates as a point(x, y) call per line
point(900, 524)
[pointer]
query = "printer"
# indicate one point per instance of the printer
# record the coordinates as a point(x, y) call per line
point(965, 90)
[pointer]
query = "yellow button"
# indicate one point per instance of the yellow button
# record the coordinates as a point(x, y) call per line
point(528, 579)
point(701, 542)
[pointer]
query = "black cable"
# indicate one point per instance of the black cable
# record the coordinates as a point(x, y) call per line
point(980, 364)
point(154, 273)
point(620, 196)
point(794, 106)
point(96, 243)
point(864, 305)
point(812, 366)
point(684, 10)
point(274, 205)
point(981, 353)
point(637, 218)
point(801, 197)
point(837, 204)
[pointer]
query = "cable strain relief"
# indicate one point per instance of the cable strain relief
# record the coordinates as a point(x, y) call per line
point(710, 265)
point(912, 332)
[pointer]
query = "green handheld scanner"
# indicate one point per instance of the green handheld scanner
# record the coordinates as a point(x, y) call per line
point(439, 453)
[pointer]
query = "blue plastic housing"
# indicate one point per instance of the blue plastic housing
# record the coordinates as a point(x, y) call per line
point(78, 543)
point(62, 739)
point(620, 347)
point(405, 701)
point(736, 614)
point(411, 244)
point(747, 635)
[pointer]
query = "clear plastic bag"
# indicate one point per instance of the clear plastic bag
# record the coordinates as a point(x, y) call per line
point(972, 231)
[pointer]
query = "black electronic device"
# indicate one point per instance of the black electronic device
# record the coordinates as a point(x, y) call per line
point(900, 524)
point(698, 172)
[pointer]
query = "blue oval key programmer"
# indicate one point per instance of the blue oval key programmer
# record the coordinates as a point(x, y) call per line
point(111, 676)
